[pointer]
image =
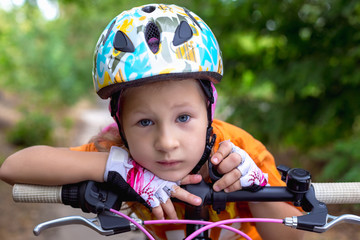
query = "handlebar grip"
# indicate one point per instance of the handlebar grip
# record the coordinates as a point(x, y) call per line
point(36, 193)
point(337, 193)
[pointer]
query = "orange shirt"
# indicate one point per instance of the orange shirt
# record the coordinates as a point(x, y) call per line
point(257, 152)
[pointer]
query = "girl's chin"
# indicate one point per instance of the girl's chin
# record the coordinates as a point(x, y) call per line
point(173, 177)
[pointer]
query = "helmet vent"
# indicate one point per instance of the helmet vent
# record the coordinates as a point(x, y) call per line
point(122, 42)
point(148, 9)
point(152, 37)
point(183, 33)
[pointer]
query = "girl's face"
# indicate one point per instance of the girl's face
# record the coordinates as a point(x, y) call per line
point(165, 125)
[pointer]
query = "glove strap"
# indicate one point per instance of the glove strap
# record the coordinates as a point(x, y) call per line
point(122, 188)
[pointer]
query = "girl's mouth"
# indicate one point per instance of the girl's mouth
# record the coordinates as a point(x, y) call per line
point(169, 163)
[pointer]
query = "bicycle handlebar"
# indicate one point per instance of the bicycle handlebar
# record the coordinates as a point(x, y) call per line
point(328, 193)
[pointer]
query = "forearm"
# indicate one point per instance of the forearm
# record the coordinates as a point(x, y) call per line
point(53, 166)
point(278, 210)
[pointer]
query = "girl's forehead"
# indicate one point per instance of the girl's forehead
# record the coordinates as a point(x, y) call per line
point(187, 90)
point(186, 85)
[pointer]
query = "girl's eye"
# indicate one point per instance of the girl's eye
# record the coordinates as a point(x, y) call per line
point(183, 118)
point(145, 122)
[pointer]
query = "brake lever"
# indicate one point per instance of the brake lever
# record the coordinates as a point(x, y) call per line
point(335, 220)
point(90, 223)
point(105, 223)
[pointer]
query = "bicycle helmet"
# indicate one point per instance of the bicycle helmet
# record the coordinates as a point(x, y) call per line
point(156, 42)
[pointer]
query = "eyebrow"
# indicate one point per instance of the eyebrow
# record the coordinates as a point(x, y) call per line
point(183, 104)
point(143, 109)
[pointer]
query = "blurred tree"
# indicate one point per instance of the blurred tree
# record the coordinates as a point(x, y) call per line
point(290, 67)
point(51, 60)
point(291, 75)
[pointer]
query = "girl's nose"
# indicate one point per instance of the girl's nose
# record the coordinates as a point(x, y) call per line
point(166, 140)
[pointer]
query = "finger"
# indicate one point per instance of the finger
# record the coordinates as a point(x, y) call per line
point(234, 187)
point(223, 151)
point(158, 212)
point(185, 196)
point(229, 163)
point(191, 179)
point(169, 209)
point(227, 180)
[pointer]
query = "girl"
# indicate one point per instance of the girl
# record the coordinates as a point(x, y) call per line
point(158, 65)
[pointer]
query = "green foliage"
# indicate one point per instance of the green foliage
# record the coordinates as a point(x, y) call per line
point(291, 74)
point(34, 129)
point(52, 60)
point(42, 59)
point(342, 160)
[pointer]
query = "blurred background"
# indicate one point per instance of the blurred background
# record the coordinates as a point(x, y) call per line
point(291, 79)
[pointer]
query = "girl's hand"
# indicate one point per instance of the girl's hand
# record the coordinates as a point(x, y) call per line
point(141, 185)
point(235, 164)
point(167, 210)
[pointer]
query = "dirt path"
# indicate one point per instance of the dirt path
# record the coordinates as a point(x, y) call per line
point(17, 220)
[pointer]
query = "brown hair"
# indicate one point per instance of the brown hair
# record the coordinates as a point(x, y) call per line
point(107, 138)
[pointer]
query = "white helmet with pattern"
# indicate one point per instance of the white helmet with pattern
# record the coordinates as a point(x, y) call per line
point(151, 43)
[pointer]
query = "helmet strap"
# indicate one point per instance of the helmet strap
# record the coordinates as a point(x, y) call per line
point(210, 137)
point(210, 140)
point(114, 107)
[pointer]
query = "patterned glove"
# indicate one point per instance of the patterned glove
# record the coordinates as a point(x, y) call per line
point(252, 178)
point(136, 181)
